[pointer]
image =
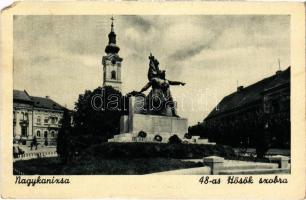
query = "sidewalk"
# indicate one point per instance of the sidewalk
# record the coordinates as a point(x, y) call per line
point(284, 152)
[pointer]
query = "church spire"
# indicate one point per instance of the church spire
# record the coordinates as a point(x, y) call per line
point(112, 26)
point(112, 47)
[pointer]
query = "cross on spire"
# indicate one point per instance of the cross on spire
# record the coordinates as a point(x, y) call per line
point(112, 26)
point(112, 47)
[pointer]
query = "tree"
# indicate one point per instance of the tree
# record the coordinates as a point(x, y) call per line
point(97, 116)
point(63, 147)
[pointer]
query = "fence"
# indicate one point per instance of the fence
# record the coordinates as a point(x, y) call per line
point(31, 155)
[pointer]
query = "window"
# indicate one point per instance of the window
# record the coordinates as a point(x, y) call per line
point(113, 74)
point(38, 133)
point(46, 134)
point(52, 134)
point(38, 120)
point(46, 120)
point(53, 120)
point(24, 131)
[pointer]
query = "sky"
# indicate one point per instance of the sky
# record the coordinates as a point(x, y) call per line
point(60, 56)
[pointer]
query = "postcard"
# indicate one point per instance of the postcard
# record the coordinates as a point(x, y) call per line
point(153, 100)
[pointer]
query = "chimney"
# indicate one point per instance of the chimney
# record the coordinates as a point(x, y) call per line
point(26, 92)
point(240, 88)
point(278, 72)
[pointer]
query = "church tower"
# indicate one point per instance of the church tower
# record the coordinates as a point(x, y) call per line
point(112, 62)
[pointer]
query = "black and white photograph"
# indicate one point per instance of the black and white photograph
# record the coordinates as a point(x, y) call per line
point(151, 94)
point(152, 100)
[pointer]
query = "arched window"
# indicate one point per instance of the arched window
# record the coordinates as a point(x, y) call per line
point(38, 133)
point(46, 134)
point(113, 74)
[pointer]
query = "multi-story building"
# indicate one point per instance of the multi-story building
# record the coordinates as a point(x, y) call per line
point(259, 110)
point(35, 116)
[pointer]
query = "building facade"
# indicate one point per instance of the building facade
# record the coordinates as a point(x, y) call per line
point(35, 116)
point(112, 62)
point(252, 114)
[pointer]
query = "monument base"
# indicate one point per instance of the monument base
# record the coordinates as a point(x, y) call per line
point(139, 127)
point(150, 128)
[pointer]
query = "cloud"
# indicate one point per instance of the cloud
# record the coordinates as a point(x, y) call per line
point(138, 22)
point(182, 54)
point(56, 55)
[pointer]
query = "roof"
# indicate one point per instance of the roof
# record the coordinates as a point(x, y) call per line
point(250, 94)
point(21, 96)
point(40, 102)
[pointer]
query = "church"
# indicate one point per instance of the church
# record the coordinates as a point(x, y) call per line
point(112, 62)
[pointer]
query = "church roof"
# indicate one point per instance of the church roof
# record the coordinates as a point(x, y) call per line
point(250, 94)
point(112, 48)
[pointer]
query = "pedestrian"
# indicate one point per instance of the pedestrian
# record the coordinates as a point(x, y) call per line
point(34, 143)
point(15, 149)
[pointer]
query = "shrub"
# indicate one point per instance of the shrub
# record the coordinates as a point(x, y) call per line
point(88, 166)
point(174, 139)
point(187, 136)
point(154, 150)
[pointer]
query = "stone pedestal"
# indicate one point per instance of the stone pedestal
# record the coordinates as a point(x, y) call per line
point(215, 163)
point(153, 125)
